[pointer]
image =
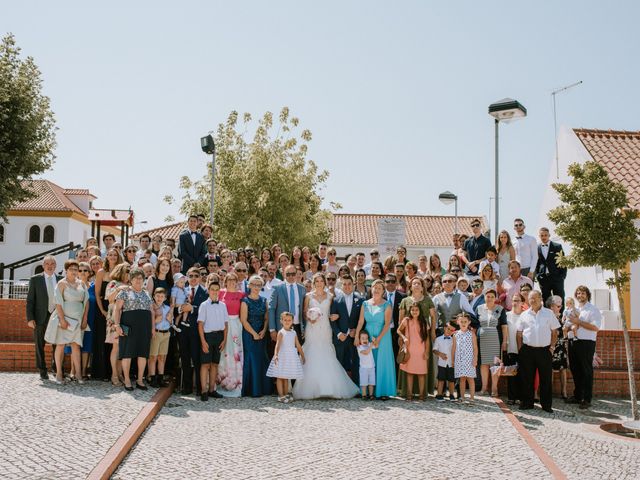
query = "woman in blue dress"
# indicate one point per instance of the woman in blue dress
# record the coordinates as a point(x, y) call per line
point(375, 318)
point(255, 324)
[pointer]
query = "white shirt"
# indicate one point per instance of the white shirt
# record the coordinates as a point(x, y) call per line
point(544, 247)
point(526, 251)
point(348, 300)
point(294, 308)
point(589, 313)
point(265, 292)
point(443, 345)
point(153, 260)
point(51, 281)
point(464, 301)
point(536, 328)
point(513, 321)
point(366, 360)
point(213, 315)
point(273, 283)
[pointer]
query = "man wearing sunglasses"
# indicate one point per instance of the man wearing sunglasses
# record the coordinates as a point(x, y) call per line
point(526, 249)
point(241, 270)
point(287, 297)
point(394, 296)
point(188, 338)
point(450, 303)
point(475, 249)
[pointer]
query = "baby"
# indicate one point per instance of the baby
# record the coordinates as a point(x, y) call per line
point(179, 298)
point(569, 308)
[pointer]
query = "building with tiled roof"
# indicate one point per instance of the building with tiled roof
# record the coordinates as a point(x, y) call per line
point(619, 153)
point(54, 217)
point(171, 230)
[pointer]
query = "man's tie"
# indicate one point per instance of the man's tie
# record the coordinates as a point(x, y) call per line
point(193, 294)
point(292, 301)
point(51, 288)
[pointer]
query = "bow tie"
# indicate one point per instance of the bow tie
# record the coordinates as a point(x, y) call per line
point(546, 245)
point(447, 338)
point(448, 295)
point(215, 302)
point(519, 238)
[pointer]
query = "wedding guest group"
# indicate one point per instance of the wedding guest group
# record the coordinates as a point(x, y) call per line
point(258, 320)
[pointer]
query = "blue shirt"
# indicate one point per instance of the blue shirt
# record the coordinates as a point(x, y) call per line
point(164, 323)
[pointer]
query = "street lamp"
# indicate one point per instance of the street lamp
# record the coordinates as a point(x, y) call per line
point(209, 147)
point(505, 110)
point(448, 198)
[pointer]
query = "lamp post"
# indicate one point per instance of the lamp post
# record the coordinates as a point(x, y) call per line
point(209, 147)
point(505, 110)
point(448, 198)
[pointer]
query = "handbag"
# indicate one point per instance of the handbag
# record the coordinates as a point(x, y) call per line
point(403, 352)
point(125, 330)
point(504, 371)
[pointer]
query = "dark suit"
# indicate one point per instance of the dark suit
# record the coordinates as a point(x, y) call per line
point(38, 311)
point(189, 341)
point(397, 298)
point(345, 351)
point(191, 253)
point(280, 303)
point(549, 275)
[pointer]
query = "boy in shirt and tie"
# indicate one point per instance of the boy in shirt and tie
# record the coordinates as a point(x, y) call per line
point(442, 349)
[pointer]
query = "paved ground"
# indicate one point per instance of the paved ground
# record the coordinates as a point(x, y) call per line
point(51, 432)
point(60, 432)
point(248, 438)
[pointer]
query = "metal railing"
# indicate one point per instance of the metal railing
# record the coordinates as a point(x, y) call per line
point(14, 289)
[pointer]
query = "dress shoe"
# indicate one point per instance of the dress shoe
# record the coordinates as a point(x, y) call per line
point(572, 400)
point(204, 396)
point(584, 405)
point(548, 410)
point(525, 406)
point(186, 391)
point(129, 389)
point(44, 375)
point(154, 382)
point(215, 394)
point(141, 387)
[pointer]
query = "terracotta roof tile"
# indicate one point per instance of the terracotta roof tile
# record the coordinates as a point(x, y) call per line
point(49, 197)
point(171, 230)
point(421, 230)
point(619, 153)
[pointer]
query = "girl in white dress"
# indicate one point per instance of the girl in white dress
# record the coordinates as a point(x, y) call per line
point(324, 377)
point(286, 364)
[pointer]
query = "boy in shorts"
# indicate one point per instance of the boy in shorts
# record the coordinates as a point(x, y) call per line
point(212, 329)
point(442, 349)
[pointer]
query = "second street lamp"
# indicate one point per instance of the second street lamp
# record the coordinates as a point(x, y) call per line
point(209, 147)
point(505, 110)
point(448, 198)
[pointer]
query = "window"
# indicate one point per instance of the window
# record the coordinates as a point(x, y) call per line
point(34, 234)
point(1, 233)
point(49, 235)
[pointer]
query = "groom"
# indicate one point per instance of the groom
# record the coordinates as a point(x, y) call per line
point(287, 297)
point(345, 313)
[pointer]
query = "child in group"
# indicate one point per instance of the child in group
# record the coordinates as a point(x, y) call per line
point(464, 352)
point(367, 366)
point(442, 349)
point(213, 321)
point(568, 329)
point(286, 364)
point(491, 255)
point(162, 321)
point(463, 286)
point(414, 332)
point(178, 298)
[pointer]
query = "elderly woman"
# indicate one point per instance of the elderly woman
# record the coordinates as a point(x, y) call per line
point(255, 322)
point(134, 324)
point(492, 336)
point(69, 319)
point(559, 360)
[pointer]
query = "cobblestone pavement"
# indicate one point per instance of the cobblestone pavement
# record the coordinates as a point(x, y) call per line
point(259, 438)
point(574, 440)
point(60, 432)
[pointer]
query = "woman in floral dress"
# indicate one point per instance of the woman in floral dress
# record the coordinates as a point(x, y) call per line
point(231, 359)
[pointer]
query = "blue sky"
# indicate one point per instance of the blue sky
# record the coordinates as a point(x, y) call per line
point(395, 93)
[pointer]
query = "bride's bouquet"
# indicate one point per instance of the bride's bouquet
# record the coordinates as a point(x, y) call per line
point(314, 314)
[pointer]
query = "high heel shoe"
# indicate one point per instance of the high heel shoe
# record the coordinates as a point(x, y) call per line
point(115, 381)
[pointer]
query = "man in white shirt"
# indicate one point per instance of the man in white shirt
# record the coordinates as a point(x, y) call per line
point(273, 281)
point(588, 319)
point(145, 244)
point(108, 239)
point(536, 338)
point(526, 249)
point(375, 257)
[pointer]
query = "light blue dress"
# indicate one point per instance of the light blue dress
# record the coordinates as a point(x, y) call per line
point(383, 355)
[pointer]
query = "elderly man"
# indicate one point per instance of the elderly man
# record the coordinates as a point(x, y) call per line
point(536, 338)
point(511, 285)
point(40, 305)
point(375, 257)
point(449, 303)
point(241, 270)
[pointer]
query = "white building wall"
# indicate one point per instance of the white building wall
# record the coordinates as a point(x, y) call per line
point(16, 245)
point(571, 150)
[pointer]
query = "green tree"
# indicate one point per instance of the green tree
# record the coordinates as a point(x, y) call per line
point(27, 125)
point(594, 217)
point(266, 190)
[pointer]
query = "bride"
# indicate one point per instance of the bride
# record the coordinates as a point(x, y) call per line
point(324, 377)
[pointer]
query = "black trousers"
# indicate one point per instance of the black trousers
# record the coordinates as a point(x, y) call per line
point(532, 359)
point(38, 340)
point(552, 286)
point(513, 383)
point(583, 358)
point(100, 363)
point(189, 344)
point(573, 366)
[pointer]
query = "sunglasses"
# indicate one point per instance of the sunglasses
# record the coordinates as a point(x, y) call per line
point(332, 254)
point(475, 225)
point(331, 279)
point(241, 270)
point(518, 225)
point(257, 285)
point(83, 270)
point(448, 281)
point(194, 275)
point(290, 274)
point(389, 281)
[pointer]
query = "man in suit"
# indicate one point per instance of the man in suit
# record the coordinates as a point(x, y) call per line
point(549, 275)
point(287, 297)
point(394, 297)
point(345, 313)
point(477, 298)
point(192, 247)
point(40, 304)
point(188, 338)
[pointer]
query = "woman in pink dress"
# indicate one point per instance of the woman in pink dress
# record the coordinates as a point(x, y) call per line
point(231, 359)
point(414, 333)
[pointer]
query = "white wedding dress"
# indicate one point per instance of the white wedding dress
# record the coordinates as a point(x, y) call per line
point(324, 377)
